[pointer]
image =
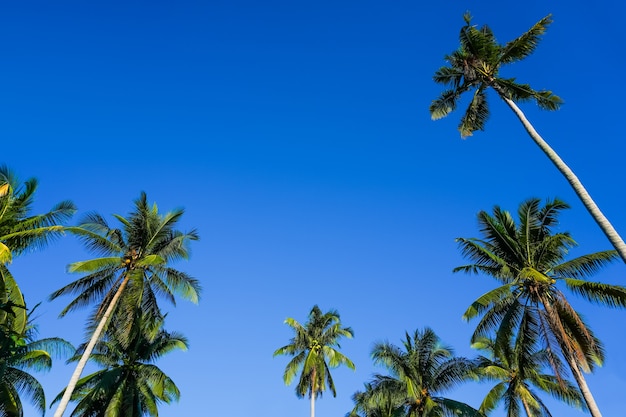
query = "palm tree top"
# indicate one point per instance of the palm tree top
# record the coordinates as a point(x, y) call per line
point(475, 66)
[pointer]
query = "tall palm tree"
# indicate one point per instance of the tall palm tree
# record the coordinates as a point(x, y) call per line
point(423, 368)
point(21, 231)
point(475, 66)
point(133, 270)
point(20, 354)
point(529, 261)
point(518, 369)
point(314, 350)
point(130, 385)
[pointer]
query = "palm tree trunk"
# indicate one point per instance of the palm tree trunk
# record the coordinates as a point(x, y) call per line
point(559, 332)
point(527, 408)
point(92, 343)
point(579, 189)
point(313, 379)
point(313, 404)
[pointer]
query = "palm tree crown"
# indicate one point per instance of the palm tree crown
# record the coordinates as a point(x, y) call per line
point(314, 350)
point(529, 261)
point(130, 385)
point(21, 231)
point(518, 371)
point(421, 370)
point(475, 66)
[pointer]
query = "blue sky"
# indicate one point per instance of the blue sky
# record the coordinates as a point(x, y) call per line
point(297, 137)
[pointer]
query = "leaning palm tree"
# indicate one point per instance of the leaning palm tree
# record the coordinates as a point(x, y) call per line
point(19, 355)
point(422, 370)
point(314, 351)
point(130, 384)
point(21, 231)
point(518, 370)
point(133, 270)
point(475, 66)
point(529, 261)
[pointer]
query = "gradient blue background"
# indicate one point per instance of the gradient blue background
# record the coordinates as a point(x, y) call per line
point(297, 136)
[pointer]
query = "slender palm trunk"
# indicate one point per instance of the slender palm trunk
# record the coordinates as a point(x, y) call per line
point(579, 189)
point(527, 408)
point(566, 349)
point(313, 379)
point(92, 343)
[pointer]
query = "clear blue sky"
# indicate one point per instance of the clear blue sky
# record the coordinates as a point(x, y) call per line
point(297, 136)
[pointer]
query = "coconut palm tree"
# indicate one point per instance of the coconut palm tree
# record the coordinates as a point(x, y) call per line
point(133, 270)
point(383, 397)
point(423, 369)
point(130, 384)
point(475, 66)
point(21, 231)
point(20, 354)
point(518, 369)
point(529, 261)
point(314, 350)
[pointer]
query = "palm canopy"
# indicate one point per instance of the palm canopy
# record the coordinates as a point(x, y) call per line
point(422, 370)
point(530, 262)
point(314, 350)
point(130, 384)
point(21, 231)
point(383, 397)
point(475, 66)
point(519, 372)
point(19, 355)
point(140, 251)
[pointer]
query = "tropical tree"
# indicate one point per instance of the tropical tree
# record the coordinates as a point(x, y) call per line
point(475, 66)
point(529, 261)
point(518, 370)
point(20, 231)
point(133, 269)
point(130, 384)
point(20, 354)
point(423, 369)
point(383, 397)
point(314, 350)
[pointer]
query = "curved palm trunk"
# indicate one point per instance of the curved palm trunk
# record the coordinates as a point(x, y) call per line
point(92, 343)
point(579, 189)
point(527, 408)
point(559, 331)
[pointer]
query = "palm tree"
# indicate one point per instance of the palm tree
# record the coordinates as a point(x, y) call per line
point(528, 259)
point(383, 397)
point(423, 369)
point(20, 354)
point(314, 352)
point(518, 370)
point(475, 66)
point(130, 385)
point(132, 272)
point(21, 231)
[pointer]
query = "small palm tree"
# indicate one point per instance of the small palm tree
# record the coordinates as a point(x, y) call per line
point(20, 354)
point(134, 270)
point(383, 397)
point(518, 370)
point(423, 369)
point(130, 385)
point(314, 352)
point(475, 66)
point(21, 231)
point(529, 261)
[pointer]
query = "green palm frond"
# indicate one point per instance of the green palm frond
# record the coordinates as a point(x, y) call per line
point(598, 293)
point(476, 114)
point(524, 45)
